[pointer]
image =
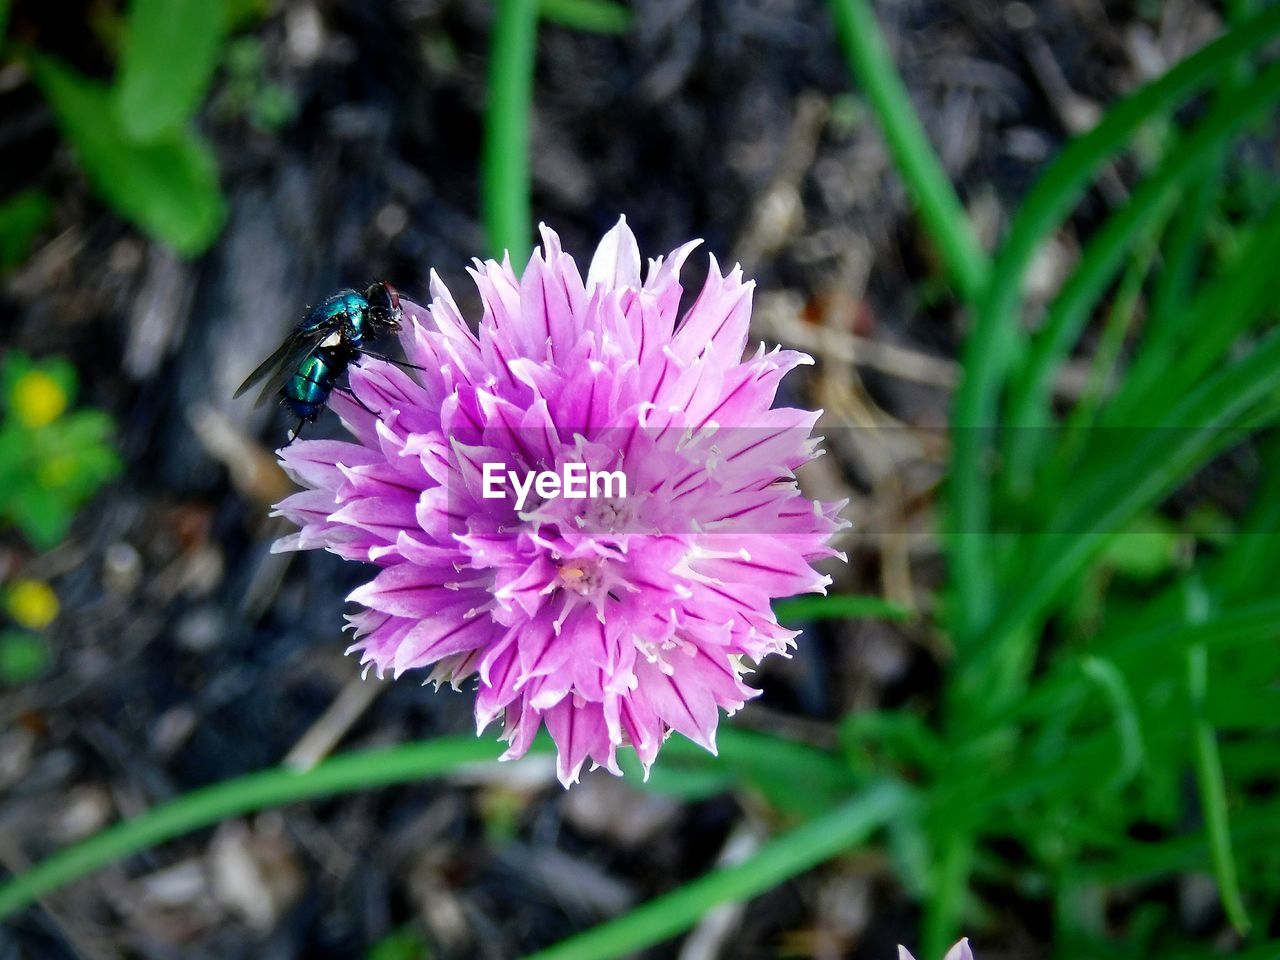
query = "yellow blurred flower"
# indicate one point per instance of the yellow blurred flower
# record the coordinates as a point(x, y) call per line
point(31, 603)
point(38, 399)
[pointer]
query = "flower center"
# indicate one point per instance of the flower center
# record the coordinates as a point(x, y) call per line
point(582, 577)
point(611, 515)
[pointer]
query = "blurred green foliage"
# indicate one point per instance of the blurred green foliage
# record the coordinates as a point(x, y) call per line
point(31, 605)
point(167, 186)
point(52, 460)
point(172, 48)
point(23, 657)
point(22, 217)
point(248, 93)
point(134, 137)
point(591, 16)
point(404, 944)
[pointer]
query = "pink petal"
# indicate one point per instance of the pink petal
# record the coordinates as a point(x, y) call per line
point(617, 259)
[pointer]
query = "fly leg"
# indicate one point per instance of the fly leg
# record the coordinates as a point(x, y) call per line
point(399, 363)
point(356, 400)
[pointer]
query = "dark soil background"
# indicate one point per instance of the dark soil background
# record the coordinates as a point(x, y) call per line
point(187, 653)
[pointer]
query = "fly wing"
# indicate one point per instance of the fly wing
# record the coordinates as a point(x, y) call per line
point(281, 365)
point(268, 365)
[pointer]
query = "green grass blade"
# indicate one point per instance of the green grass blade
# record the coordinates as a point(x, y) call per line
point(944, 217)
point(231, 798)
point(1164, 324)
point(995, 337)
point(758, 761)
point(505, 162)
point(1213, 793)
point(590, 16)
point(1132, 649)
point(1115, 689)
point(1224, 310)
point(839, 606)
point(1264, 951)
point(1107, 251)
point(1132, 862)
point(1247, 567)
point(796, 778)
point(1115, 490)
point(1117, 484)
point(1182, 255)
point(950, 883)
point(1115, 333)
point(792, 853)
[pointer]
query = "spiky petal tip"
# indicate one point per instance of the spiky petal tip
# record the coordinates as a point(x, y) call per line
point(960, 951)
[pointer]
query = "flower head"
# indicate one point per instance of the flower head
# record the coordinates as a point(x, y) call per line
point(614, 617)
point(960, 951)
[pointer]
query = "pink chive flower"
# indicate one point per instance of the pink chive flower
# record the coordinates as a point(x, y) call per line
point(613, 619)
point(960, 951)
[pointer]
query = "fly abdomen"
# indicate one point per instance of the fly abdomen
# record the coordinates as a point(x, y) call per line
point(307, 391)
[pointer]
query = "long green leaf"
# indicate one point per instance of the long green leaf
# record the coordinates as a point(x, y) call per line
point(1124, 714)
point(790, 854)
point(1213, 793)
point(995, 338)
point(171, 51)
point(1115, 332)
point(1182, 256)
point(232, 798)
point(168, 188)
point(1132, 862)
point(795, 778)
point(1133, 649)
point(1246, 568)
point(590, 16)
point(839, 606)
point(1224, 310)
point(505, 164)
point(1115, 489)
point(864, 47)
point(950, 881)
point(763, 762)
point(1165, 322)
point(1107, 250)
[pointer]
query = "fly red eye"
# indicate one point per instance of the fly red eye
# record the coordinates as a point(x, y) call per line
point(392, 295)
